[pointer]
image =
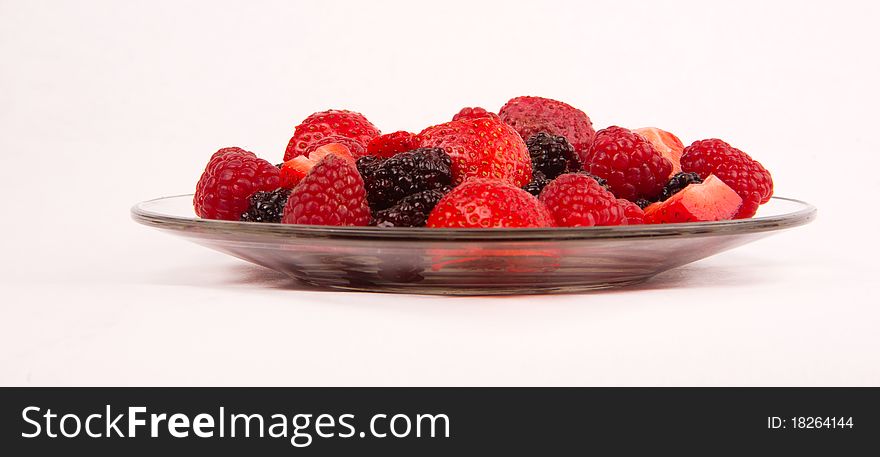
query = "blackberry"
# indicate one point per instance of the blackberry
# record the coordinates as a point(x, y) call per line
point(387, 181)
point(412, 210)
point(552, 155)
point(643, 203)
point(678, 182)
point(266, 206)
point(537, 183)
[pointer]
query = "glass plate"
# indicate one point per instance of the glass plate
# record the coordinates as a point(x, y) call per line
point(468, 261)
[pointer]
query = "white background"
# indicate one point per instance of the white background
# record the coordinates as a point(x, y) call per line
point(103, 104)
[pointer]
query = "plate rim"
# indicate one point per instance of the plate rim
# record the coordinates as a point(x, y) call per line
point(196, 225)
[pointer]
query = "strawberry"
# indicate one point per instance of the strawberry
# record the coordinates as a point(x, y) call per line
point(349, 128)
point(385, 146)
point(531, 115)
point(295, 169)
point(667, 144)
point(489, 203)
point(713, 200)
point(483, 148)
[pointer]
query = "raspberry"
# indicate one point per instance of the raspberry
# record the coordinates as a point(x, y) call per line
point(412, 210)
point(537, 184)
point(332, 194)
point(632, 212)
point(230, 178)
point(552, 155)
point(473, 113)
point(633, 168)
point(266, 206)
point(483, 148)
point(489, 203)
point(392, 143)
point(678, 182)
point(295, 169)
point(387, 181)
point(312, 132)
point(530, 115)
point(577, 200)
point(736, 168)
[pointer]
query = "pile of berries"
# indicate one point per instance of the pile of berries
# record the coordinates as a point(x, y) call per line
point(536, 163)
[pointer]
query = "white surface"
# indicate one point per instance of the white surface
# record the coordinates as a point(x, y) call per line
point(103, 104)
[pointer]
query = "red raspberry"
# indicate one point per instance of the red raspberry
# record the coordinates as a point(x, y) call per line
point(751, 181)
point(483, 148)
point(473, 113)
point(312, 132)
point(332, 194)
point(578, 200)
point(489, 203)
point(629, 162)
point(631, 212)
point(530, 115)
point(230, 178)
point(387, 145)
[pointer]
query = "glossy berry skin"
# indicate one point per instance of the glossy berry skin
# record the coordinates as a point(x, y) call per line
point(530, 115)
point(266, 206)
point(552, 155)
point(713, 200)
point(537, 184)
point(230, 178)
point(577, 200)
point(387, 181)
point(473, 113)
point(629, 162)
point(347, 127)
point(736, 168)
point(387, 145)
point(332, 194)
point(412, 210)
point(481, 148)
point(632, 212)
point(489, 203)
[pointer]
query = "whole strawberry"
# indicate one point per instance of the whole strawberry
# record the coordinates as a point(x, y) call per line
point(531, 115)
point(473, 113)
point(577, 200)
point(751, 181)
point(489, 203)
point(331, 194)
point(387, 145)
point(230, 178)
point(629, 162)
point(312, 133)
point(482, 148)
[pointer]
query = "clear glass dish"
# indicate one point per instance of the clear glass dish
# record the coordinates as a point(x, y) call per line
point(469, 262)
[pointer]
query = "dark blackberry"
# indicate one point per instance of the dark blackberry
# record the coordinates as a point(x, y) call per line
point(266, 206)
point(536, 185)
point(412, 210)
point(387, 181)
point(552, 155)
point(678, 182)
point(643, 203)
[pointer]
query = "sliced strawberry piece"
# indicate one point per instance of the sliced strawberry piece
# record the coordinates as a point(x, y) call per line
point(710, 201)
point(667, 144)
point(294, 170)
